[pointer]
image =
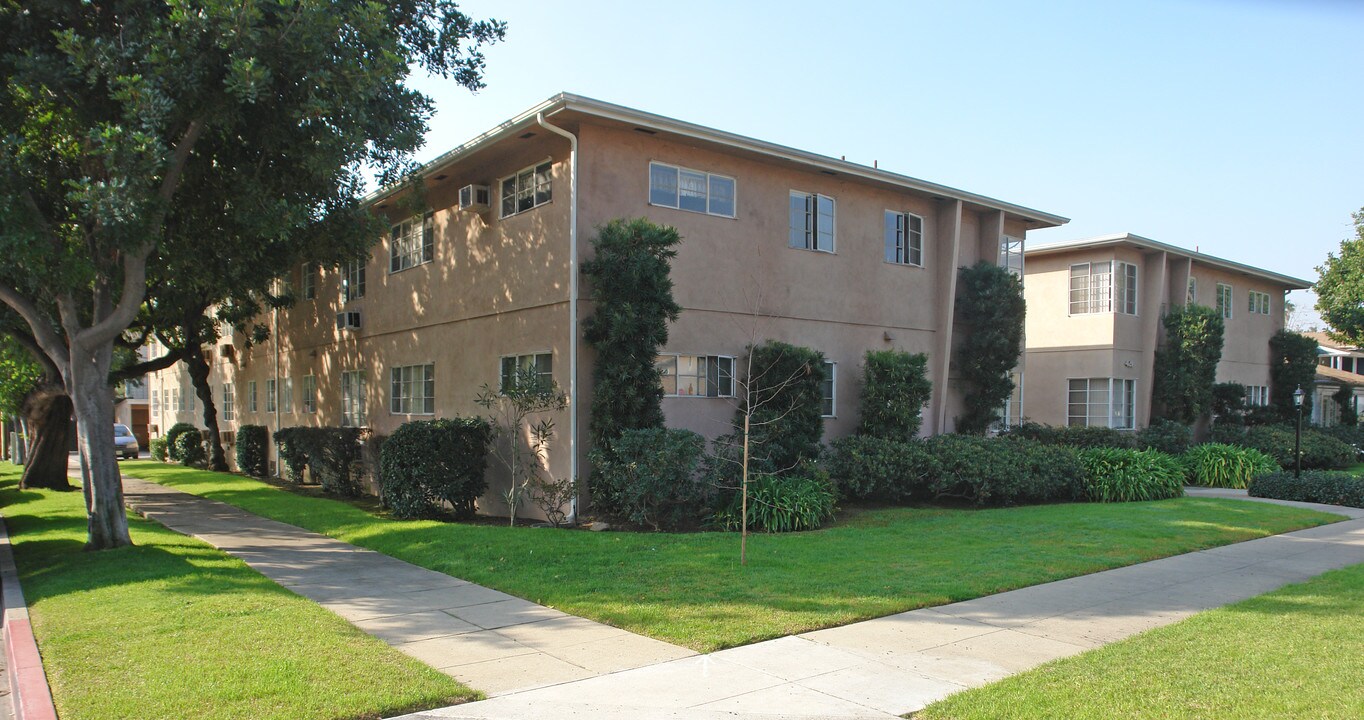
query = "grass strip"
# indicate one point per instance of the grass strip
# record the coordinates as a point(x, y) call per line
point(173, 628)
point(1297, 652)
point(689, 589)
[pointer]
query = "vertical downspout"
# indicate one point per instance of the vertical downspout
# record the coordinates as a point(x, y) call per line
point(274, 336)
point(572, 307)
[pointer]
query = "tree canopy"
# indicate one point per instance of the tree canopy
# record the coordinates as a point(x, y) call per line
point(1340, 291)
point(141, 132)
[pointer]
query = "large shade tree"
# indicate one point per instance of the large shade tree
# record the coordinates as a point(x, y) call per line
point(127, 121)
point(1340, 291)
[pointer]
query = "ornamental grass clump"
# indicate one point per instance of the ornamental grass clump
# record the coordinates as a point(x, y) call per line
point(1121, 475)
point(1225, 466)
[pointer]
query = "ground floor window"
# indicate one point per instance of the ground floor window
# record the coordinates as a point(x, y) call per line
point(271, 396)
point(353, 413)
point(309, 393)
point(696, 375)
point(251, 396)
point(1102, 402)
point(1011, 415)
point(414, 390)
point(1257, 395)
point(829, 391)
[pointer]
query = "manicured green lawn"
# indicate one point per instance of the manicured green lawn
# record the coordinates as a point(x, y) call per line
point(1297, 652)
point(173, 628)
point(691, 590)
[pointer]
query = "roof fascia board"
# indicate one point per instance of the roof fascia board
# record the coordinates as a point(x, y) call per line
point(1149, 244)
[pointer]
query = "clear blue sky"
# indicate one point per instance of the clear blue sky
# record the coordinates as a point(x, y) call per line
point(1233, 126)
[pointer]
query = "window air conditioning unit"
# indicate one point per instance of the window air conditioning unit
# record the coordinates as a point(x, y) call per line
point(348, 320)
point(474, 198)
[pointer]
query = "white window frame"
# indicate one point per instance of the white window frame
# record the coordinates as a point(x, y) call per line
point(402, 399)
point(1226, 297)
point(902, 240)
point(173, 402)
point(522, 361)
point(229, 402)
point(710, 179)
point(156, 404)
point(251, 405)
point(286, 395)
point(720, 375)
point(271, 395)
point(1011, 414)
point(1110, 292)
point(831, 380)
point(353, 281)
point(310, 394)
point(1126, 293)
point(1121, 398)
point(411, 243)
point(354, 403)
point(1259, 302)
point(538, 181)
point(1191, 293)
point(1011, 254)
point(1257, 395)
point(812, 228)
point(307, 280)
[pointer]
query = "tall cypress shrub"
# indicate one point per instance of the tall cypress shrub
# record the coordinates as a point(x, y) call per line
point(783, 396)
point(895, 386)
point(1292, 364)
point(990, 309)
point(1186, 366)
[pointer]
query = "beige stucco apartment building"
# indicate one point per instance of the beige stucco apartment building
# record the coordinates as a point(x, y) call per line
point(777, 243)
point(1094, 323)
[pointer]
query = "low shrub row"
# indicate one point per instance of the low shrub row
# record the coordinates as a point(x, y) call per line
point(1320, 451)
point(1318, 486)
point(331, 455)
point(1124, 475)
point(1072, 435)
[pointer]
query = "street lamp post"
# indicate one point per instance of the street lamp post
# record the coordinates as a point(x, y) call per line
point(1297, 442)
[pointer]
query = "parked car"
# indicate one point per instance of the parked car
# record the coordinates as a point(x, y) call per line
point(124, 442)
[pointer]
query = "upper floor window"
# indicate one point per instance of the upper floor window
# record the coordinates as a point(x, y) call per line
point(529, 188)
point(514, 366)
point(353, 282)
point(229, 402)
point(1101, 287)
point(308, 280)
point(1259, 303)
point(829, 390)
point(812, 222)
point(156, 403)
point(1192, 296)
point(1224, 301)
point(411, 243)
point(904, 238)
point(1011, 255)
point(692, 190)
point(696, 375)
point(414, 390)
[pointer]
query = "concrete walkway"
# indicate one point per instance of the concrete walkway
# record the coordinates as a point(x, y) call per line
point(487, 639)
point(894, 665)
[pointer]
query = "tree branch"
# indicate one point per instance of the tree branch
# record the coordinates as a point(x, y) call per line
point(29, 343)
point(137, 370)
point(44, 336)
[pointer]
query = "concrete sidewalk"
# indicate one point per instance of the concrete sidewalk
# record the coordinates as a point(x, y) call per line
point(487, 639)
point(894, 665)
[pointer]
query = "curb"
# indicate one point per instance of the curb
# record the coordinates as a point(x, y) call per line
point(28, 682)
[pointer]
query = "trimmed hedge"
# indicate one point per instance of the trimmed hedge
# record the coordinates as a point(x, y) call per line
point(1123, 475)
point(428, 462)
point(174, 433)
point(655, 474)
point(1319, 450)
point(158, 449)
point(188, 449)
point(1077, 436)
point(331, 454)
point(802, 499)
point(1167, 436)
point(1227, 466)
point(992, 471)
point(895, 388)
point(1317, 486)
point(252, 450)
point(873, 468)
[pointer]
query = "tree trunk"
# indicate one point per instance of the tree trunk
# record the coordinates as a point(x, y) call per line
point(198, 372)
point(47, 412)
point(88, 385)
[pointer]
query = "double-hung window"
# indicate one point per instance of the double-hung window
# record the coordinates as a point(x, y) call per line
point(229, 402)
point(516, 367)
point(696, 375)
point(156, 404)
point(691, 190)
point(1011, 255)
point(271, 396)
point(286, 395)
point(308, 280)
point(812, 222)
point(828, 391)
point(1102, 402)
point(173, 403)
point(251, 396)
point(309, 393)
point(353, 407)
point(904, 238)
point(527, 189)
point(411, 242)
point(413, 390)
point(1125, 288)
point(1224, 301)
point(353, 282)
point(1259, 303)
point(1257, 395)
point(1100, 287)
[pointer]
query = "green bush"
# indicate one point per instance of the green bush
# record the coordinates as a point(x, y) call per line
point(1352, 435)
point(1186, 364)
point(1227, 466)
point(1317, 486)
point(1076, 436)
point(1319, 450)
point(1167, 436)
point(997, 471)
point(173, 434)
point(802, 499)
point(785, 383)
point(157, 447)
point(189, 449)
point(895, 387)
point(865, 467)
point(252, 450)
point(990, 310)
point(1122, 475)
point(331, 454)
point(428, 462)
point(655, 472)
